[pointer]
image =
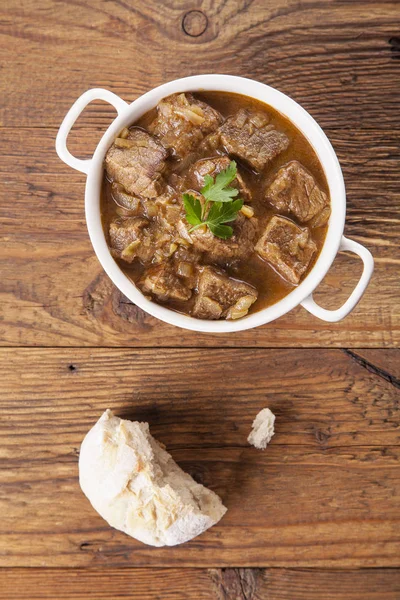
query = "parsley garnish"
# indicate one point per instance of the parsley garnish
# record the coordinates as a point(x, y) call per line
point(218, 190)
point(224, 208)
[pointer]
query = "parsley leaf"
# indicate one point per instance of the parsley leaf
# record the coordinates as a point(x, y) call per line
point(224, 208)
point(208, 183)
point(224, 212)
point(193, 209)
point(218, 190)
point(219, 213)
point(222, 231)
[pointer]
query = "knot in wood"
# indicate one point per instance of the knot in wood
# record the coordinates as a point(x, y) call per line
point(194, 23)
point(321, 436)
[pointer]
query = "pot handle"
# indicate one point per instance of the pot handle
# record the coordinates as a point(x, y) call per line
point(71, 117)
point(338, 314)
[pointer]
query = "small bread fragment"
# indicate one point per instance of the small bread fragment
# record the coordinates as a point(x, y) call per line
point(263, 429)
point(137, 487)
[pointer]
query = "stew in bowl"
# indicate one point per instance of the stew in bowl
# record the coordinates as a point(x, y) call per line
point(214, 204)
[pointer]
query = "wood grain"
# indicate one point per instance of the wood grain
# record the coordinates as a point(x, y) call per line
point(388, 365)
point(325, 493)
point(107, 584)
point(339, 61)
point(199, 584)
point(336, 59)
point(302, 584)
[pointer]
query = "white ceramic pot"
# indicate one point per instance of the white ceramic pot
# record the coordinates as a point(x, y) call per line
point(334, 242)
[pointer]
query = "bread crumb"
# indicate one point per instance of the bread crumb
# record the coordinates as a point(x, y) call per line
point(263, 429)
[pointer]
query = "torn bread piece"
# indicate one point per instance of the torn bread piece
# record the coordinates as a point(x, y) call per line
point(137, 487)
point(263, 429)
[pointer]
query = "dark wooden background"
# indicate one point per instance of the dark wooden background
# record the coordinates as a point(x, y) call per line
point(317, 515)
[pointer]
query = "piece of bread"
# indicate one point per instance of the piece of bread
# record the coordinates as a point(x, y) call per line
point(137, 487)
point(263, 429)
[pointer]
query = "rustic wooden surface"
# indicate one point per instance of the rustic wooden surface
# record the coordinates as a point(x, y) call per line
point(340, 61)
point(200, 584)
point(316, 516)
point(325, 493)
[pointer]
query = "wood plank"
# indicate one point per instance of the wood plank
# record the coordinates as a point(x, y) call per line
point(199, 584)
point(325, 493)
point(312, 584)
point(65, 299)
point(388, 365)
point(339, 60)
point(106, 584)
point(38, 307)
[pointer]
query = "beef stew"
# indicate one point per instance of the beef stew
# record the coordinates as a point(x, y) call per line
point(244, 175)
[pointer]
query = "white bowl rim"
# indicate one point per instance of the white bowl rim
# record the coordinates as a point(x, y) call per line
point(286, 106)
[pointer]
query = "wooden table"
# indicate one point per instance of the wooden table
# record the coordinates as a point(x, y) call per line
point(317, 515)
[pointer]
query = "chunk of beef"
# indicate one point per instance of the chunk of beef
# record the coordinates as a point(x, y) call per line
point(294, 191)
point(125, 237)
point(221, 296)
point(136, 163)
point(212, 166)
point(130, 204)
point(320, 218)
point(287, 247)
point(249, 136)
point(186, 260)
point(139, 238)
point(238, 247)
point(186, 269)
point(163, 282)
point(182, 122)
point(170, 208)
point(210, 144)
